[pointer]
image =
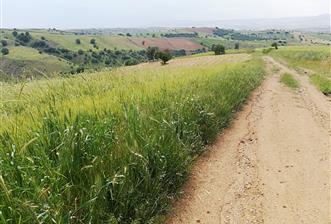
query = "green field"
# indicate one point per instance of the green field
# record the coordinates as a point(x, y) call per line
point(31, 63)
point(102, 41)
point(315, 58)
point(113, 145)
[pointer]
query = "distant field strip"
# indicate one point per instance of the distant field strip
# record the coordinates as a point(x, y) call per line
point(315, 58)
point(113, 146)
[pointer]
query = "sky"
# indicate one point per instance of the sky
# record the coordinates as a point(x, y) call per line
point(145, 13)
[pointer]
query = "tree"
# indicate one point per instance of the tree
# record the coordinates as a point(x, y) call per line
point(77, 41)
point(14, 33)
point(4, 43)
point(151, 53)
point(93, 41)
point(275, 45)
point(128, 35)
point(4, 51)
point(236, 46)
point(165, 56)
point(218, 49)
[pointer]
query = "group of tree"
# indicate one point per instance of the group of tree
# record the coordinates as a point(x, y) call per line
point(154, 53)
point(235, 35)
point(23, 38)
point(182, 35)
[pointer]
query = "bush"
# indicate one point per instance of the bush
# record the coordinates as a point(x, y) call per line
point(77, 41)
point(39, 44)
point(131, 62)
point(218, 49)
point(5, 51)
point(14, 33)
point(80, 70)
point(80, 52)
point(236, 46)
point(4, 43)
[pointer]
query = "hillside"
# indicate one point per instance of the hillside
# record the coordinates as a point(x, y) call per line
point(39, 52)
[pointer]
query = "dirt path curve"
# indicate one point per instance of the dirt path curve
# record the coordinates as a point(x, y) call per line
point(272, 165)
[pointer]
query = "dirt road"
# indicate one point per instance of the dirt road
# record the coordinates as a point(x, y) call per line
point(272, 166)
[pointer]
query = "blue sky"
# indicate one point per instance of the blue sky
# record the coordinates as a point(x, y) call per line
point(143, 13)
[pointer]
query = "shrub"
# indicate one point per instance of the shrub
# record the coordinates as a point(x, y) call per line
point(77, 41)
point(93, 41)
point(80, 69)
point(4, 43)
point(236, 46)
point(39, 44)
point(14, 33)
point(131, 62)
point(275, 45)
point(5, 51)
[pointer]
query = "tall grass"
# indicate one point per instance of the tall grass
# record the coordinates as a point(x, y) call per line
point(317, 58)
point(323, 83)
point(112, 147)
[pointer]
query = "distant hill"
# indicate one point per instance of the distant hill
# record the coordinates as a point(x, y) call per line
point(319, 23)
